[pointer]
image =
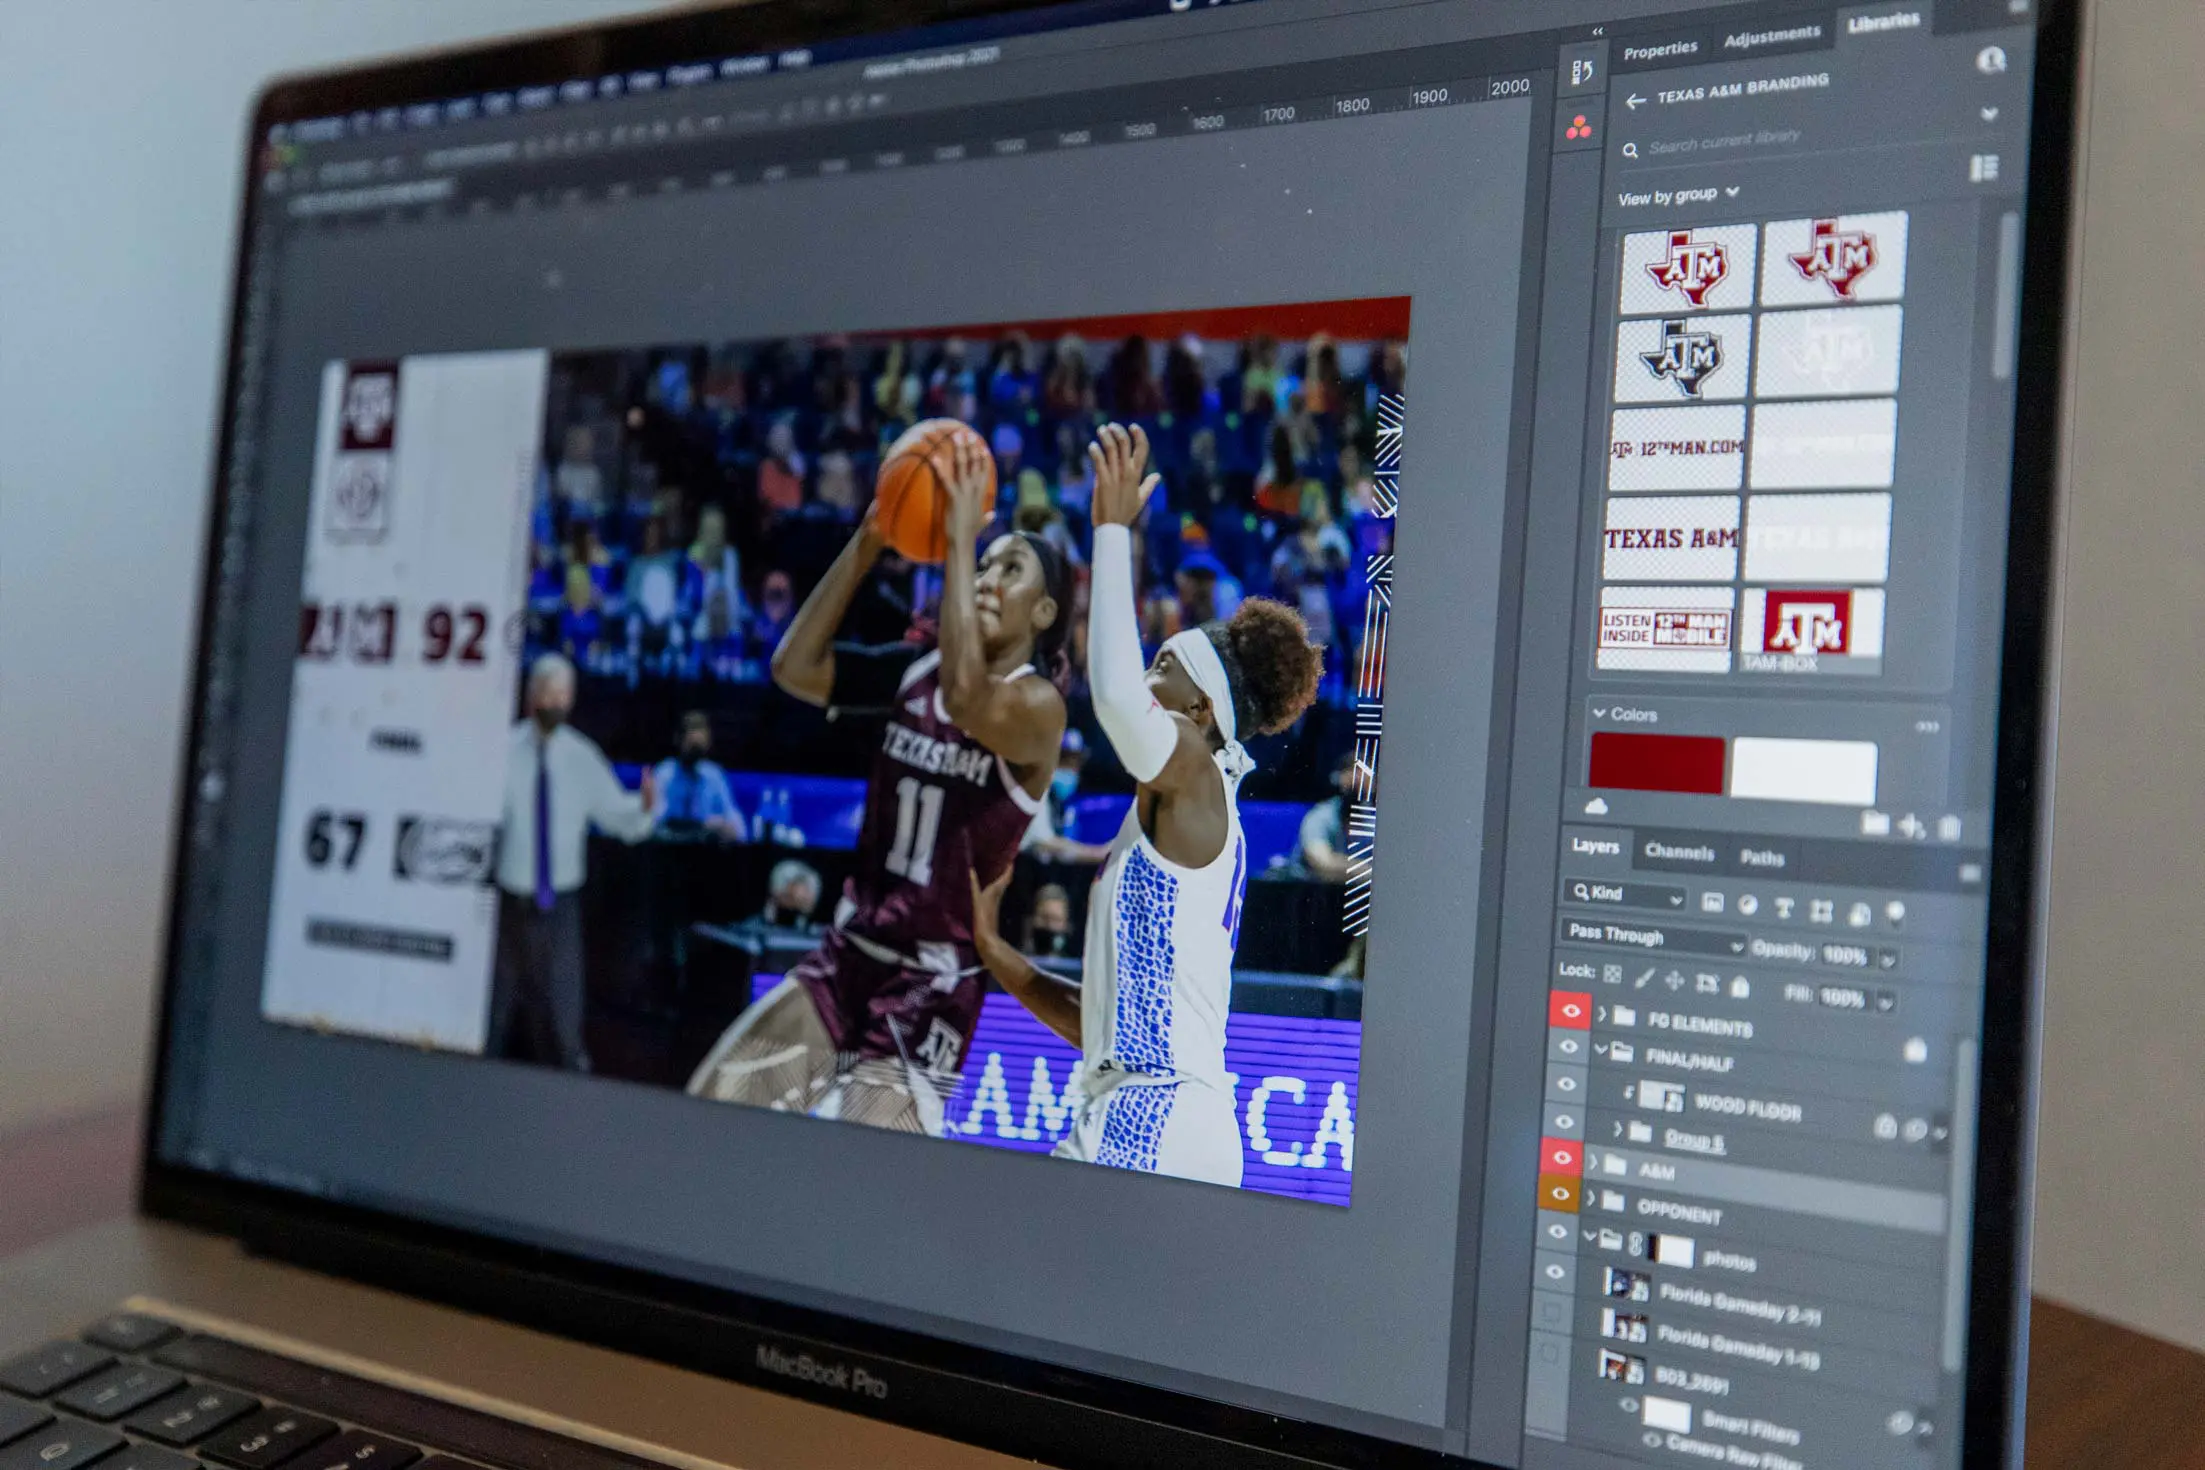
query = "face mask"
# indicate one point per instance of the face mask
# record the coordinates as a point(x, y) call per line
point(1063, 784)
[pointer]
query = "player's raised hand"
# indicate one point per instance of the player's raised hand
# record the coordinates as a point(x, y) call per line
point(1120, 458)
point(969, 479)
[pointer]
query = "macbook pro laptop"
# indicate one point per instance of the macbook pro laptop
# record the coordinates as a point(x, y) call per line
point(749, 892)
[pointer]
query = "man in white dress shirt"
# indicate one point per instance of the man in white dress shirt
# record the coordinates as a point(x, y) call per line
point(558, 785)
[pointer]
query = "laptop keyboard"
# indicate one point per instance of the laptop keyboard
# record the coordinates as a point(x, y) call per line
point(135, 1393)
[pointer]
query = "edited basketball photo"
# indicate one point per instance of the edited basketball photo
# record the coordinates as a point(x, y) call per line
point(971, 732)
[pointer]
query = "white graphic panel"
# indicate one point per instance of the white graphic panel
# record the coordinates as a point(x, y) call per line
point(1689, 270)
point(1684, 359)
point(1678, 630)
point(1830, 354)
point(1835, 260)
point(1818, 538)
point(1662, 538)
point(1677, 449)
point(1841, 445)
point(382, 921)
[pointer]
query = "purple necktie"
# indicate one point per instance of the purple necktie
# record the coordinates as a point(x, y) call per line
point(544, 895)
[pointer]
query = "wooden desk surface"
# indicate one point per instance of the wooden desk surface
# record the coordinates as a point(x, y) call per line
point(2100, 1397)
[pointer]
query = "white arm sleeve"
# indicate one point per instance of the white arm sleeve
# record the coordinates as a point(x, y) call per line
point(1139, 729)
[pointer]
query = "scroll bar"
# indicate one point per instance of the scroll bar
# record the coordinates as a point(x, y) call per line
point(2006, 325)
point(1960, 1216)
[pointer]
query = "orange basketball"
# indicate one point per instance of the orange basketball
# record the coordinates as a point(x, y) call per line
point(911, 492)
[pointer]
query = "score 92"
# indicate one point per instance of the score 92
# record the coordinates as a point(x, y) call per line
point(366, 633)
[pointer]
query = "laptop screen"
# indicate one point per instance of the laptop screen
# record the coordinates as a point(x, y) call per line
point(1457, 917)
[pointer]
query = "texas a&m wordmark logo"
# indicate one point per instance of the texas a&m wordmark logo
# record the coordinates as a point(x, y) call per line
point(1689, 270)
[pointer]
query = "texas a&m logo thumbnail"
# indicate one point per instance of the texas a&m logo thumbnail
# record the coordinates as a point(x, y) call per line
point(1689, 270)
point(1685, 357)
point(1838, 257)
point(1812, 630)
point(1835, 259)
point(1692, 268)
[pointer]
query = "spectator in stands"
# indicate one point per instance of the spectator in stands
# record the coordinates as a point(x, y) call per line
point(1322, 849)
point(781, 472)
point(692, 790)
point(1013, 390)
point(1132, 382)
point(652, 597)
point(1318, 548)
point(792, 892)
point(1075, 480)
point(581, 629)
point(1207, 590)
point(776, 609)
point(1259, 377)
point(1069, 390)
point(839, 495)
point(896, 393)
point(1049, 837)
point(1038, 515)
point(713, 568)
point(586, 549)
point(1187, 394)
point(1049, 927)
point(577, 484)
point(547, 578)
point(1279, 482)
point(1010, 454)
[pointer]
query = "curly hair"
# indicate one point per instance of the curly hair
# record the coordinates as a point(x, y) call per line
point(1272, 665)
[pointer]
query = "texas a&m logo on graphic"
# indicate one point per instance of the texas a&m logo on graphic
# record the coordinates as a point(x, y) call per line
point(1837, 258)
point(1808, 622)
point(1693, 266)
point(370, 406)
point(1685, 357)
point(357, 503)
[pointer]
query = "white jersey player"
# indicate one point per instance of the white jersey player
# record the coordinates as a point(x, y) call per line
point(1157, 974)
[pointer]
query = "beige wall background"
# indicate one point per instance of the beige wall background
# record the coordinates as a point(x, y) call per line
point(119, 126)
point(121, 142)
point(2121, 1193)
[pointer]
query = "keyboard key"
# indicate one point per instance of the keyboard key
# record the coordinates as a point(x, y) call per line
point(122, 1389)
point(356, 1449)
point(148, 1457)
point(268, 1438)
point(63, 1445)
point(190, 1415)
point(127, 1332)
point(18, 1418)
point(56, 1365)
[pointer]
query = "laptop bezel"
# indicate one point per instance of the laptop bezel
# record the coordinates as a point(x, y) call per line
point(1022, 1405)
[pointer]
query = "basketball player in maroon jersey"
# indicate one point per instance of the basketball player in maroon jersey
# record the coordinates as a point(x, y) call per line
point(872, 1026)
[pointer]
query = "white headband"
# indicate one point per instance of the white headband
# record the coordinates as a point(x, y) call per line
point(1198, 656)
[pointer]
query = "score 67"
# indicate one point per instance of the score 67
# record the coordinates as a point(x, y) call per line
point(367, 633)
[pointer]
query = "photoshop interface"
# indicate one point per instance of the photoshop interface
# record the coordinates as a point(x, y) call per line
point(1731, 416)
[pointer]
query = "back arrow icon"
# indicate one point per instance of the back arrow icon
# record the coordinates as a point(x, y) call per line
point(1635, 102)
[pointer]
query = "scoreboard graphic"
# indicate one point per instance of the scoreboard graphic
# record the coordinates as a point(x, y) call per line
point(383, 918)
